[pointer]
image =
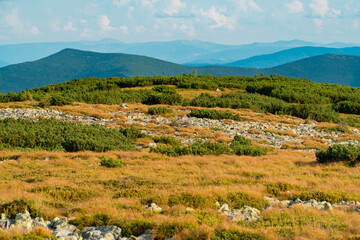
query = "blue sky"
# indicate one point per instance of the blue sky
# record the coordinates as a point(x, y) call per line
point(221, 21)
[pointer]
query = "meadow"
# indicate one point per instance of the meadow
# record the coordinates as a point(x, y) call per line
point(105, 175)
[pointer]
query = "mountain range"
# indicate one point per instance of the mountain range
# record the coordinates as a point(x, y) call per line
point(70, 64)
point(179, 51)
point(290, 55)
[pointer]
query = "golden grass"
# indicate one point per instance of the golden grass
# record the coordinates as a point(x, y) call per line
point(154, 178)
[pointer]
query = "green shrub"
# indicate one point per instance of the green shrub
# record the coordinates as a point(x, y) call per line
point(19, 206)
point(233, 234)
point(339, 153)
point(58, 100)
point(239, 199)
point(134, 227)
point(51, 134)
point(189, 200)
point(167, 140)
point(164, 89)
point(111, 162)
point(198, 148)
point(95, 220)
point(159, 110)
point(332, 197)
point(214, 114)
point(242, 146)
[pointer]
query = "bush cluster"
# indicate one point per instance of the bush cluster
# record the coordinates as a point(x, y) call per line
point(159, 110)
point(239, 146)
point(51, 134)
point(110, 162)
point(339, 153)
point(273, 94)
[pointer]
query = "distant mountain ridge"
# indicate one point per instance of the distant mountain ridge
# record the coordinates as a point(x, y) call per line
point(70, 64)
point(178, 51)
point(290, 55)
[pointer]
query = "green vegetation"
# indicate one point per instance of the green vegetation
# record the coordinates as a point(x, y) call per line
point(340, 153)
point(270, 94)
point(214, 114)
point(51, 134)
point(111, 162)
point(19, 206)
point(159, 110)
point(239, 146)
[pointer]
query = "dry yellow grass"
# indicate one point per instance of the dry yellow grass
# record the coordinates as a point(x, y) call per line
point(154, 178)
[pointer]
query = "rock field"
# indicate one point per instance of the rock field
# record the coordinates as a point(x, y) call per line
point(297, 132)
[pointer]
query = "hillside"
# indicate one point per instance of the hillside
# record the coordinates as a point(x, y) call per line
point(290, 55)
point(70, 64)
point(329, 68)
point(183, 157)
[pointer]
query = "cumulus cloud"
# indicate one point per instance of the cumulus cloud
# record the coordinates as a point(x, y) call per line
point(321, 8)
point(69, 27)
point(318, 22)
point(104, 24)
point(34, 30)
point(220, 19)
point(246, 5)
point(148, 3)
point(120, 3)
point(12, 20)
point(174, 7)
point(295, 6)
point(124, 29)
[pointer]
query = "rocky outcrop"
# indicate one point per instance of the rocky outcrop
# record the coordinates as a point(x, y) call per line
point(355, 206)
point(233, 128)
point(62, 230)
point(246, 213)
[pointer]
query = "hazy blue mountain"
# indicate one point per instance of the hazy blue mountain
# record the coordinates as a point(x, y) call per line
point(328, 68)
point(247, 51)
point(179, 51)
point(70, 64)
point(290, 55)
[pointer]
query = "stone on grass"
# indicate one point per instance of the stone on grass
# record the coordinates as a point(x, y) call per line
point(153, 207)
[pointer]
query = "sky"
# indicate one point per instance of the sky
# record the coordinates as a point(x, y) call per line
point(220, 21)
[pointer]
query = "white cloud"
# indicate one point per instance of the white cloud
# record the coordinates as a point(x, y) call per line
point(34, 30)
point(295, 6)
point(321, 8)
point(120, 3)
point(187, 29)
point(318, 22)
point(245, 5)
point(174, 7)
point(69, 27)
point(12, 20)
point(148, 3)
point(104, 23)
point(220, 19)
point(124, 29)
point(139, 29)
point(55, 25)
point(356, 24)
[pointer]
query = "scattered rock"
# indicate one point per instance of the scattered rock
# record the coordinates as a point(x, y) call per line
point(246, 213)
point(124, 105)
point(154, 145)
point(153, 207)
